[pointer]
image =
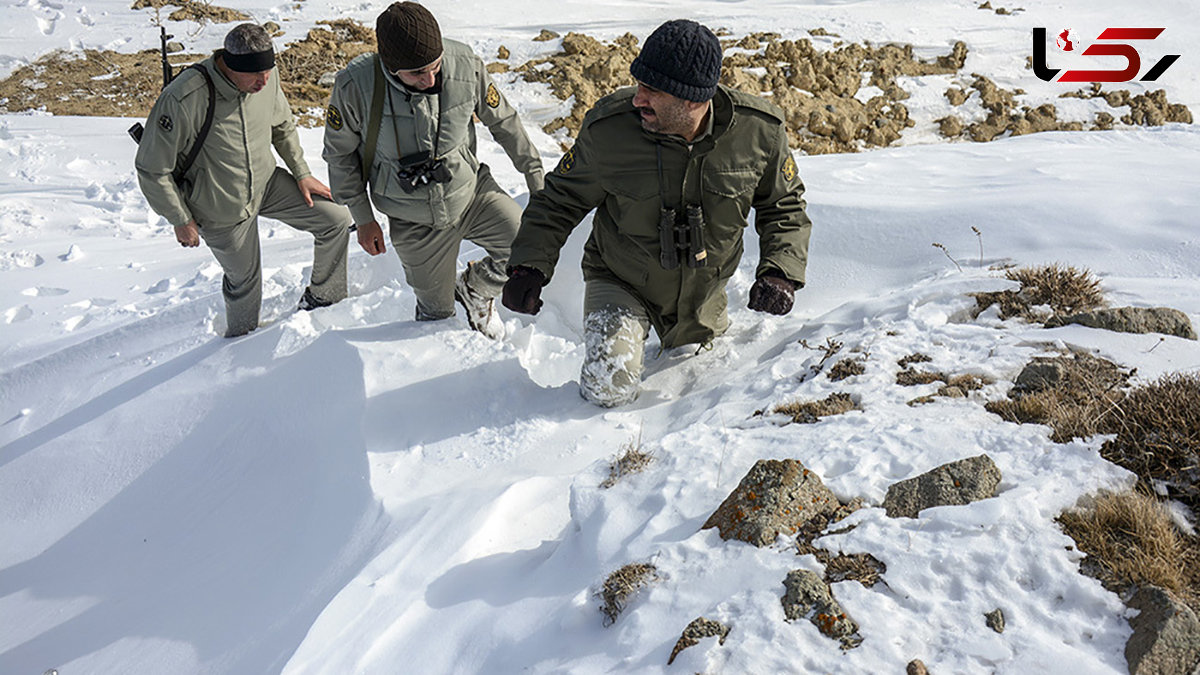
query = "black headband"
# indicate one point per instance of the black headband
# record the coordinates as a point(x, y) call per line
point(255, 62)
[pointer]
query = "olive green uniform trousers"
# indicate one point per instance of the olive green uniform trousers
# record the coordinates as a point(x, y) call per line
point(429, 254)
point(236, 248)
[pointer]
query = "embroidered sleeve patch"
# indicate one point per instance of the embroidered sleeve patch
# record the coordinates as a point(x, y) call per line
point(566, 163)
point(165, 123)
point(333, 118)
point(493, 97)
point(789, 168)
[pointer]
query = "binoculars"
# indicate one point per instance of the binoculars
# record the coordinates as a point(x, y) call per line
point(681, 238)
point(421, 169)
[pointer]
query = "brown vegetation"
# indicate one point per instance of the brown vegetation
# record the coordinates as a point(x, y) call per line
point(1064, 289)
point(1131, 540)
point(808, 412)
point(621, 585)
point(630, 460)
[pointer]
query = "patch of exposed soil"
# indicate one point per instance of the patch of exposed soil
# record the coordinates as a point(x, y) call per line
point(194, 10)
point(307, 67)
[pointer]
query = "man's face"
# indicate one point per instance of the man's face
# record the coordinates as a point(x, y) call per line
point(420, 78)
point(249, 83)
point(664, 113)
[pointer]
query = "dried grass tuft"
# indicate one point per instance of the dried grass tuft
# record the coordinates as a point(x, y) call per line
point(809, 412)
point(630, 459)
point(1078, 404)
point(1063, 288)
point(846, 368)
point(1130, 539)
point(621, 585)
point(1157, 427)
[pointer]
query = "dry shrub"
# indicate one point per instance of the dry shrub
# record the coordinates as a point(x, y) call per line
point(1077, 404)
point(864, 568)
point(808, 412)
point(1157, 427)
point(631, 459)
point(621, 585)
point(1131, 540)
point(916, 357)
point(1065, 289)
point(913, 378)
point(846, 368)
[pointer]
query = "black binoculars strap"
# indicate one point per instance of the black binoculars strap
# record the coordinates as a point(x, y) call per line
point(373, 122)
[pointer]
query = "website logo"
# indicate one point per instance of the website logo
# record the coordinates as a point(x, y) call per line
point(1111, 42)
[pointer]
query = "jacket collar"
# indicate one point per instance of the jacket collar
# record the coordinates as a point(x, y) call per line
point(225, 89)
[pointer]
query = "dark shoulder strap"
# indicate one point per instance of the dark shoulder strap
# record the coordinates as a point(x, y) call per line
point(373, 122)
point(182, 169)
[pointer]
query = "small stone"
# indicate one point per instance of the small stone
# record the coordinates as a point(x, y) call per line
point(546, 36)
point(502, 53)
point(995, 620)
point(916, 667)
point(807, 596)
point(696, 631)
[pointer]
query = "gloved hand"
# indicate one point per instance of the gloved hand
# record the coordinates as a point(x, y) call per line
point(523, 290)
point(772, 293)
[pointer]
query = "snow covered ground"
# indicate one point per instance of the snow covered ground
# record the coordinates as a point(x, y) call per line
point(348, 491)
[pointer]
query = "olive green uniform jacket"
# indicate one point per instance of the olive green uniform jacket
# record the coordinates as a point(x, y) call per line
point(613, 167)
point(413, 122)
point(226, 183)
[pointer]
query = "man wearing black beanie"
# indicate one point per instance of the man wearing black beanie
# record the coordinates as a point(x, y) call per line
point(401, 123)
point(672, 167)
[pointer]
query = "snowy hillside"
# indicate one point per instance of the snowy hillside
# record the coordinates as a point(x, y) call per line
point(348, 491)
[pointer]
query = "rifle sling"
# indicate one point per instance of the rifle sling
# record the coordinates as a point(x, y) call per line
point(181, 170)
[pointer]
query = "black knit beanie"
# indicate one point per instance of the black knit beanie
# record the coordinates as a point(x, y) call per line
point(407, 37)
point(682, 58)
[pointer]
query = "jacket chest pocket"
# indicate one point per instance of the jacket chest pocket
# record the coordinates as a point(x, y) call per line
point(634, 203)
point(727, 196)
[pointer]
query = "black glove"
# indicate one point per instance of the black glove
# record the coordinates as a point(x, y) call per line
point(772, 293)
point(523, 290)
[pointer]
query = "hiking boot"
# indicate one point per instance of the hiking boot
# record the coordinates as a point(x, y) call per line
point(309, 302)
point(481, 311)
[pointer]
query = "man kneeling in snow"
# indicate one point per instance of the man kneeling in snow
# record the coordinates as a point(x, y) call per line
point(672, 168)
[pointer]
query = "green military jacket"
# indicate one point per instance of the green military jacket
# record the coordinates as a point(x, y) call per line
point(613, 167)
point(226, 183)
point(414, 122)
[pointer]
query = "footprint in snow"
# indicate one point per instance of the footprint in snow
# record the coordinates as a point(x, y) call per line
point(15, 314)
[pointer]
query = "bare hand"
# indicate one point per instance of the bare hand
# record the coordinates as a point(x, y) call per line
point(310, 186)
point(188, 235)
point(370, 238)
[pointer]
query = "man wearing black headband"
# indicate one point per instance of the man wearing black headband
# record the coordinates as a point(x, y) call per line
point(234, 178)
point(419, 160)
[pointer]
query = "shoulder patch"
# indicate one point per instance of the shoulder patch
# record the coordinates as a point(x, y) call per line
point(493, 96)
point(566, 163)
point(620, 101)
point(789, 168)
point(333, 118)
point(165, 123)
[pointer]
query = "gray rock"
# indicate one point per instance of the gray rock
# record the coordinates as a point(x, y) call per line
point(1163, 320)
point(696, 631)
point(807, 596)
point(174, 47)
point(995, 620)
point(1042, 373)
point(327, 79)
point(1166, 635)
point(962, 482)
point(775, 496)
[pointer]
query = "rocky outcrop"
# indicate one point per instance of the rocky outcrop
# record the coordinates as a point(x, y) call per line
point(696, 631)
point(775, 497)
point(1163, 320)
point(1166, 635)
point(956, 483)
